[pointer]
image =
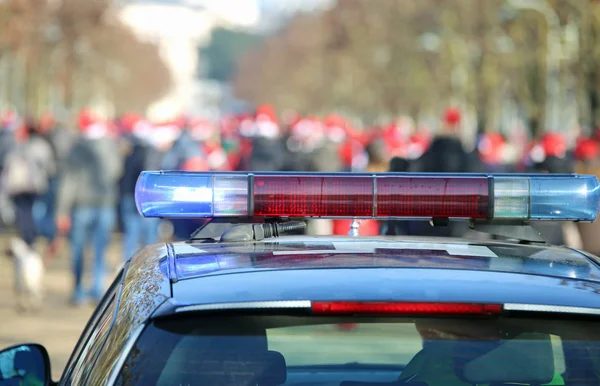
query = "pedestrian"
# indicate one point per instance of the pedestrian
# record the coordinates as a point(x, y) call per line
point(8, 126)
point(587, 154)
point(397, 227)
point(446, 153)
point(377, 163)
point(183, 153)
point(550, 155)
point(44, 208)
point(183, 148)
point(138, 231)
point(86, 201)
point(491, 148)
point(25, 177)
point(268, 149)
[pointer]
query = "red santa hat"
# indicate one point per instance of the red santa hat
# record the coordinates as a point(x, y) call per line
point(336, 128)
point(491, 148)
point(418, 143)
point(549, 145)
point(586, 149)
point(452, 116)
point(267, 124)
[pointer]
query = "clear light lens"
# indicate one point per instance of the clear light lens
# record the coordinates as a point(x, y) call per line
point(511, 198)
point(546, 197)
point(231, 195)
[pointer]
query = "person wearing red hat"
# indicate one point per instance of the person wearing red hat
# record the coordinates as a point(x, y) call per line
point(549, 155)
point(452, 120)
point(9, 124)
point(307, 147)
point(587, 155)
point(10, 121)
point(181, 152)
point(492, 148)
point(554, 144)
point(60, 138)
point(87, 198)
point(336, 128)
point(266, 122)
point(418, 143)
point(377, 163)
point(446, 152)
point(141, 155)
point(183, 148)
point(268, 150)
point(24, 179)
point(353, 155)
point(587, 151)
point(60, 141)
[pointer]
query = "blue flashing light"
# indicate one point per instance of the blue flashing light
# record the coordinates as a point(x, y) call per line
point(191, 195)
point(380, 195)
point(547, 197)
point(564, 198)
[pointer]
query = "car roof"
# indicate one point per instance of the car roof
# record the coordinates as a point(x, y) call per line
point(301, 252)
point(374, 267)
point(365, 268)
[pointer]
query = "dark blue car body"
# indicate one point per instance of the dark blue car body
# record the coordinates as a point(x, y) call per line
point(163, 278)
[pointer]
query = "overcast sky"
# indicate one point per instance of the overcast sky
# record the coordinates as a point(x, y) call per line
point(248, 12)
point(290, 5)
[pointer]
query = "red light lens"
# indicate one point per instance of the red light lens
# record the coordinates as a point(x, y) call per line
point(397, 196)
point(405, 308)
point(319, 196)
point(433, 197)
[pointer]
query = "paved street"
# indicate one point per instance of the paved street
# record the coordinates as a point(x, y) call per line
point(58, 325)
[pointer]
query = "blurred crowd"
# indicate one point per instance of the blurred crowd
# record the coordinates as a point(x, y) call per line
point(77, 181)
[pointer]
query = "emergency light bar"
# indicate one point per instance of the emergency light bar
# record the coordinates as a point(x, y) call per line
point(379, 195)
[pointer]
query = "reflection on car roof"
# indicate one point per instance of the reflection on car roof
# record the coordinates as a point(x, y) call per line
point(195, 260)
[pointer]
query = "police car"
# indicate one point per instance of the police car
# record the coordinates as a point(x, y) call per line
point(251, 300)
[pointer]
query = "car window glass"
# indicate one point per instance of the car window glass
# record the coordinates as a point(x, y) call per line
point(243, 350)
point(333, 347)
point(559, 356)
point(89, 354)
point(90, 327)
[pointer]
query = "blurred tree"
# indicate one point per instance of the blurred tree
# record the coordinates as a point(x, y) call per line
point(526, 66)
point(224, 51)
point(589, 60)
point(362, 57)
point(131, 69)
point(289, 61)
point(68, 53)
point(383, 58)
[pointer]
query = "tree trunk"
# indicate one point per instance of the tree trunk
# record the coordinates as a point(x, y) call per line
point(68, 74)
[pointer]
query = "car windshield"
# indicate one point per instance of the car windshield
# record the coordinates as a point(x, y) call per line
point(247, 349)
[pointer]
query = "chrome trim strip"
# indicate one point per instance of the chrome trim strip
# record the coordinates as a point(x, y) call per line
point(114, 373)
point(548, 308)
point(247, 305)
